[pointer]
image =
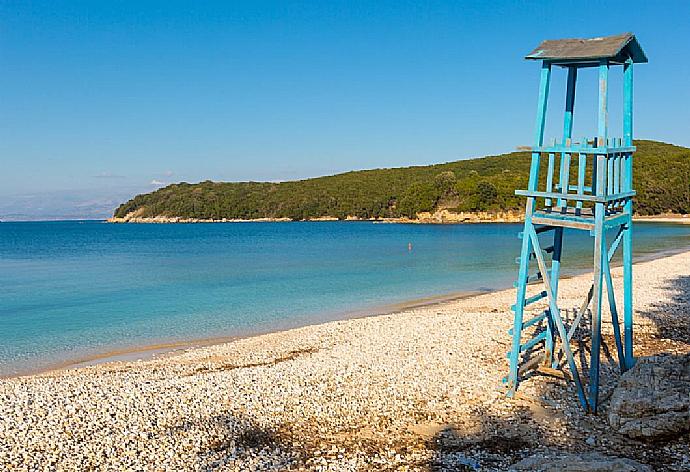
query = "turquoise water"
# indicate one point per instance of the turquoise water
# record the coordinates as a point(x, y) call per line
point(76, 289)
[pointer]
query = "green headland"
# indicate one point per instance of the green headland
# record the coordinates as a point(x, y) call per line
point(486, 185)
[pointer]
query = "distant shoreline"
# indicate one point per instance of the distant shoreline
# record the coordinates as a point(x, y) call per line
point(440, 217)
point(463, 219)
point(680, 219)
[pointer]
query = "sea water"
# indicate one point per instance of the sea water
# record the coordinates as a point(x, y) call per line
point(70, 290)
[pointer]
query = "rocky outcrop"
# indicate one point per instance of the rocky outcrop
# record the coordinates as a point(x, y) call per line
point(652, 400)
point(437, 217)
point(590, 462)
point(446, 216)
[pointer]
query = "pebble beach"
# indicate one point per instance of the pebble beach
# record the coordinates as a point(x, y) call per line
point(413, 390)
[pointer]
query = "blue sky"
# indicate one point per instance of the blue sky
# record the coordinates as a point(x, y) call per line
point(102, 100)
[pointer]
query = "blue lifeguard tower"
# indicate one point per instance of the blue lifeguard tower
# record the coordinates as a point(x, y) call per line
point(595, 195)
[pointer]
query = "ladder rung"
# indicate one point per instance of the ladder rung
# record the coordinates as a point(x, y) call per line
point(533, 256)
point(536, 298)
point(531, 279)
point(536, 277)
point(533, 299)
point(531, 343)
point(531, 322)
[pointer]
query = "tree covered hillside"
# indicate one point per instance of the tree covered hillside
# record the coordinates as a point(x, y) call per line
point(661, 176)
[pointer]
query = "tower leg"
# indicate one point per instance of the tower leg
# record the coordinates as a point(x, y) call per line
point(600, 250)
point(627, 293)
point(627, 236)
point(599, 254)
point(614, 313)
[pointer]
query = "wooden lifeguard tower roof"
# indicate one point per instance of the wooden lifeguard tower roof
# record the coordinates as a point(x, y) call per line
point(585, 52)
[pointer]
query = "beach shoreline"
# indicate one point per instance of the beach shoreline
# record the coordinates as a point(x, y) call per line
point(149, 351)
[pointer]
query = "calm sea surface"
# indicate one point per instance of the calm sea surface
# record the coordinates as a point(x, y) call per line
point(76, 289)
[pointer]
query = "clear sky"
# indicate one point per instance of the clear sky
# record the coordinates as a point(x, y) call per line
point(101, 100)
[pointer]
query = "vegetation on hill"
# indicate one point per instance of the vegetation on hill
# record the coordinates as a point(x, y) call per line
point(661, 176)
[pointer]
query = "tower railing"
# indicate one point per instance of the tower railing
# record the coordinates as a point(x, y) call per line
point(572, 193)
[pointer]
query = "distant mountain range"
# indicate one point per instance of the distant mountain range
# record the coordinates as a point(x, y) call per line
point(661, 178)
point(91, 204)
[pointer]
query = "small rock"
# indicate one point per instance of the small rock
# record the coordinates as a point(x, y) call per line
point(652, 400)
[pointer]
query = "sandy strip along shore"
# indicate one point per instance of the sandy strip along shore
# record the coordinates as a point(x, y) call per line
point(679, 219)
point(414, 390)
